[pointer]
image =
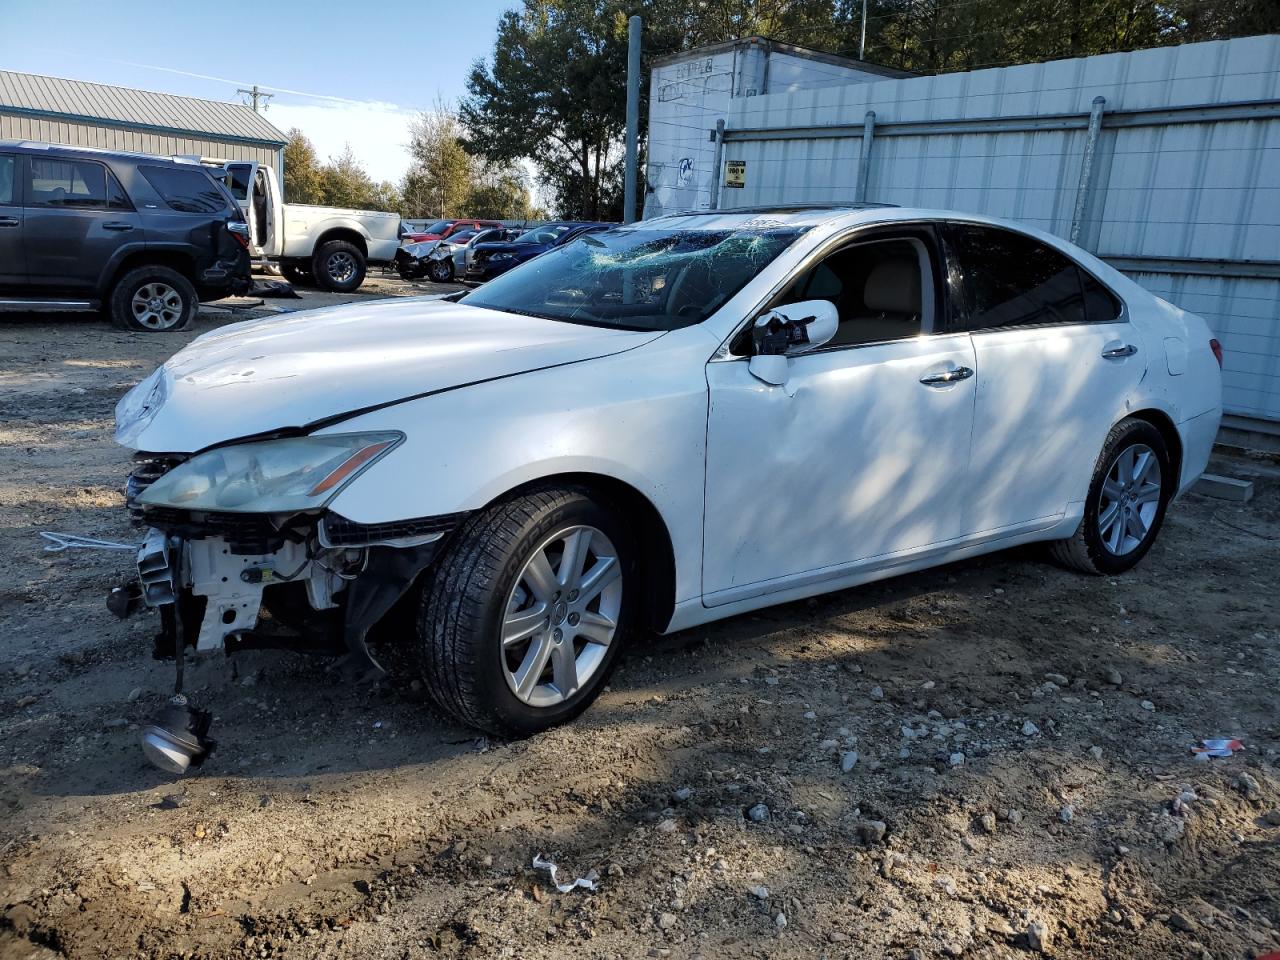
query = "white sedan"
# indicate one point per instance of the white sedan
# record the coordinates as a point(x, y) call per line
point(654, 427)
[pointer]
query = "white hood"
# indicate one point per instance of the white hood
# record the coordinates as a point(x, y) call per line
point(290, 372)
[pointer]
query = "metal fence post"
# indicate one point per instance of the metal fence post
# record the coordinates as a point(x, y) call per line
point(1086, 168)
point(864, 161)
point(633, 120)
point(718, 136)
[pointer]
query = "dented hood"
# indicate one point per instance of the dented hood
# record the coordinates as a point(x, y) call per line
point(295, 371)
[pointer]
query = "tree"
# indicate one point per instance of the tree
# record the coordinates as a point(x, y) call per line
point(443, 172)
point(555, 94)
point(303, 179)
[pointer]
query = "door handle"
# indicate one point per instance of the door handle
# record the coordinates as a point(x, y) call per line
point(1120, 352)
point(117, 225)
point(954, 375)
point(8, 221)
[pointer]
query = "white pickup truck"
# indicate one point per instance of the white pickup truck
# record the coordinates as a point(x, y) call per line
point(325, 245)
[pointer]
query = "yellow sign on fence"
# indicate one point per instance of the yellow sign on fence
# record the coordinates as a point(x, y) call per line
point(735, 173)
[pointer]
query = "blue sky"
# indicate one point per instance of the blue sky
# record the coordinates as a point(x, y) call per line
point(358, 72)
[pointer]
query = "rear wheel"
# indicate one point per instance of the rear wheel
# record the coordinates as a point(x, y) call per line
point(1132, 484)
point(339, 266)
point(155, 299)
point(521, 624)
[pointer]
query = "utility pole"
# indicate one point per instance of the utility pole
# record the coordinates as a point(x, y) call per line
point(862, 44)
point(255, 94)
point(633, 120)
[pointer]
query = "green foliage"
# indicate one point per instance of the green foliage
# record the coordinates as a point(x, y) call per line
point(341, 182)
point(554, 91)
point(303, 181)
point(447, 181)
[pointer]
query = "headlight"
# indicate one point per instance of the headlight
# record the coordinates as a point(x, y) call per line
point(273, 476)
point(501, 256)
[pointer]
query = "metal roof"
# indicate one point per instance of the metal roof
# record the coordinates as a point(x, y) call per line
point(80, 101)
point(778, 46)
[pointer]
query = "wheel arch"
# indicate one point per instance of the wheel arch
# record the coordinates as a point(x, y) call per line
point(1168, 431)
point(349, 234)
point(657, 552)
point(184, 263)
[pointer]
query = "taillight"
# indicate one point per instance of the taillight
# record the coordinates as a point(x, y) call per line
point(1216, 347)
point(240, 230)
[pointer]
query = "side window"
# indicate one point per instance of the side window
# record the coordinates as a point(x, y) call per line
point(1100, 304)
point(1014, 281)
point(187, 191)
point(68, 183)
point(238, 181)
point(883, 290)
point(117, 199)
point(8, 179)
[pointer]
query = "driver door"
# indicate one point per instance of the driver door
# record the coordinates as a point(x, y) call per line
point(861, 456)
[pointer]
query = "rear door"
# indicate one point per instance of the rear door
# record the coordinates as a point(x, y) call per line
point(1056, 358)
point(77, 216)
point(13, 269)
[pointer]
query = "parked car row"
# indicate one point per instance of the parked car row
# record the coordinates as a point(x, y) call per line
point(444, 258)
point(476, 254)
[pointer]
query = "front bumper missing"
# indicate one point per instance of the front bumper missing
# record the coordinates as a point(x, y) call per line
point(212, 588)
point(212, 572)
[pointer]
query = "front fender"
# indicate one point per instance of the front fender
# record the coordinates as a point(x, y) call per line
point(638, 417)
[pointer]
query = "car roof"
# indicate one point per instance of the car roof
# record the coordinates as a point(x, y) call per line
point(39, 146)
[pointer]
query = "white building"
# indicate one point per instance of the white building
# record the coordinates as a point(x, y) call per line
point(690, 91)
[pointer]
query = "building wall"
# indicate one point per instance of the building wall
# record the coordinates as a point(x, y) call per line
point(1185, 187)
point(688, 96)
point(107, 137)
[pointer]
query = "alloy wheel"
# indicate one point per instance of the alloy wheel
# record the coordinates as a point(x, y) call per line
point(1130, 499)
point(157, 306)
point(341, 266)
point(561, 615)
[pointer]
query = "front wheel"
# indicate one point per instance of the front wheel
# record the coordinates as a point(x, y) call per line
point(1133, 482)
point(441, 271)
point(522, 621)
point(339, 266)
point(297, 275)
point(155, 299)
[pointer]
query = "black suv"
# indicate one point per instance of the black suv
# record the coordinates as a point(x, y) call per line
point(144, 237)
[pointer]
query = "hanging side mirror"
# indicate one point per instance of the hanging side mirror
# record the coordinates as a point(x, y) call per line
point(789, 331)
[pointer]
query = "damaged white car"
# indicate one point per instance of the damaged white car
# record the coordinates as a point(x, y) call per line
point(650, 428)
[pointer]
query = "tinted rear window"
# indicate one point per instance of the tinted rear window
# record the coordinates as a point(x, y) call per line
point(1012, 280)
point(187, 191)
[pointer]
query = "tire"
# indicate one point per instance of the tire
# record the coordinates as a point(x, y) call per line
point(153, 299)
point(441, 271)
point(1103, 548)
point(298, 276)
point(484, 578)
point(339, 266)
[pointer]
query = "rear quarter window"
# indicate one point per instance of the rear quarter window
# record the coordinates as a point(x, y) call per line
point(187, 191)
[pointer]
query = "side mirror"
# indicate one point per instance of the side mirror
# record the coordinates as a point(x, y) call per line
point(788, 331)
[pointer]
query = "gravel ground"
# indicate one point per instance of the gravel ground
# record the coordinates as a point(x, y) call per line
point(986, 760)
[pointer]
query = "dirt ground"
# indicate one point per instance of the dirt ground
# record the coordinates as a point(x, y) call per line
point(986, 760)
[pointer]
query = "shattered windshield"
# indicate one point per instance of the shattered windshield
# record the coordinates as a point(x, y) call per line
point(636, 279)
